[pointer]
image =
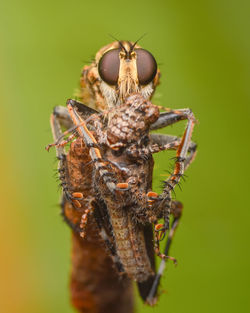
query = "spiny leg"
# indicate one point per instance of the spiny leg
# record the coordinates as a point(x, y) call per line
point(182, 160)
point(92, 144)
point(60, 152)
point(183, 146)
point(155, 148)
point(61, 155)
point(159, 235)
point(61, 143)
point(57, 132)
point(179, 167)
point(162, 142)
point(74, 107)
point(171, 117)
point(64, 119)
point(164, 202)
point(176, 211)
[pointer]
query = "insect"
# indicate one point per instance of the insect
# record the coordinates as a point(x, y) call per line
point(107, 177)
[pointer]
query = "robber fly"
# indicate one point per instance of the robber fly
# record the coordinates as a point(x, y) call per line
point(106, 176)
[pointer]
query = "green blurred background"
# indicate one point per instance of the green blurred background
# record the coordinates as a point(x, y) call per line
point(202, 48)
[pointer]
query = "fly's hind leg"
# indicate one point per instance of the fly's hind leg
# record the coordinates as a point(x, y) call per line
point(176, 211)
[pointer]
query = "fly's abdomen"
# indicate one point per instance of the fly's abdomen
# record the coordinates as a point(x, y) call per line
point(130, 244)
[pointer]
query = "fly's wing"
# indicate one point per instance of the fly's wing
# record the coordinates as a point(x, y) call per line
point(145, 286)
point(61, 114)
point(84, 110)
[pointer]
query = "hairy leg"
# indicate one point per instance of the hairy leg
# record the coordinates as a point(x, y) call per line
point(176, 211)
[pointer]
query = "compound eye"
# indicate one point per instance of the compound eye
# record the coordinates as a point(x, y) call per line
point(146, 66)
point(109, 65)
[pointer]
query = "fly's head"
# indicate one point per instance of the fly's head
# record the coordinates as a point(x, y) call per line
point(119, 70)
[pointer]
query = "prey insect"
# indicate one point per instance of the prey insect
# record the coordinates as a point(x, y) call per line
point(107, 173)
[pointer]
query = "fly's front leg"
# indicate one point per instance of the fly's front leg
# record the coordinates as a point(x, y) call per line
point(171, 117)
point(62, 115)
point(92, 144)
point(176, 211)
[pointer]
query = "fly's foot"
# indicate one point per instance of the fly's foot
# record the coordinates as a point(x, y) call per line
point(152, 197)
point(164, 257)
point(76, 203)
point(77, 196)
point(74, 198)
point(160, 230)
point(60, 143)
point(122, 186)
point(84, 221)
point(49, 146)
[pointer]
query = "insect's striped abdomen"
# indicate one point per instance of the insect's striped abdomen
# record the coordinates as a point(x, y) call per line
point(130, 244)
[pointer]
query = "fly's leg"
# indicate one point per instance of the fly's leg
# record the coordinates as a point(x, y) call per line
point(62, 115)
point(57, 132)
point(60, 153)
point(179, 167)
point(159, 235)
point(162, 142)
point(80, 125)
point(92, 144)
point(171, 117)
point(155, 148)
point(181, 157)
point(55, 120)
point(183, 146)
point(176, 211)
point(61, 143)
point(170, 142)
point(182, 161)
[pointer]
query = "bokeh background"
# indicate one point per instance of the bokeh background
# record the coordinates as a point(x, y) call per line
point(202, 48)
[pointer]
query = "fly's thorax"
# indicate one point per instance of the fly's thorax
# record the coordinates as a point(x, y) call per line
point(131, 121)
